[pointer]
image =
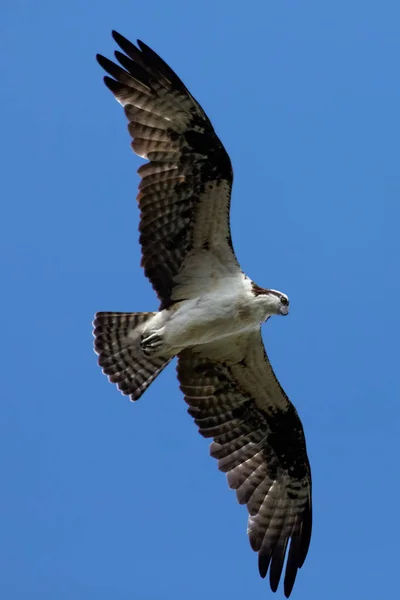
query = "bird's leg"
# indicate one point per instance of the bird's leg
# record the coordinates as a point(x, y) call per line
point(152, 342)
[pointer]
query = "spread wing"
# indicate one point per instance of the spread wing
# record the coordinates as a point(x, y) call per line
point(184, 193)
point(235, 398)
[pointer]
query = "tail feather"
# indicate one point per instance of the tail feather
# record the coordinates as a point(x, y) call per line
point(121, 357)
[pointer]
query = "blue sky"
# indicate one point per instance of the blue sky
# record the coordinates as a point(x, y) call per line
point(105, 499)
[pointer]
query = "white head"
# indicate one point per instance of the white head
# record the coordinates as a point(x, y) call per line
point(272, 301)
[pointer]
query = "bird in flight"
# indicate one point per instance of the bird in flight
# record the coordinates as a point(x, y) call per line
point(210, 312)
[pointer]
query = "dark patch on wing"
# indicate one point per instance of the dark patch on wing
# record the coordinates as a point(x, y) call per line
point(188, 163)
point(206, 144)
point(285, 435)
point(287, 439)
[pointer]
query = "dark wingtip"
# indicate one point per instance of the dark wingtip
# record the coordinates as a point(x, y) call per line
point(103, 62)
point(288, 582)
point(114, 86)
point(263, 564)
point(116, 35)
point(287, 592)
point(274, 585)
point(121, 40)
point(305, 536)
point(143, 47)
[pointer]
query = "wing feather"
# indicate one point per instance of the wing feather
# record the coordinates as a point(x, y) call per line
point(184, 195)
point(259, 443)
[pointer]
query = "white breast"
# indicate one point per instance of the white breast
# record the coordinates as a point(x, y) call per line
point(226, 310)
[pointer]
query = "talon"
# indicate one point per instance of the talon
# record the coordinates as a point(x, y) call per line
point(151, 343)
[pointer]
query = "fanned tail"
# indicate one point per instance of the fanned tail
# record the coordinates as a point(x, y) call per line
point(120, 355)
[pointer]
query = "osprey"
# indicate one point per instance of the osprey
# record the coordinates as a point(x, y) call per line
point(210, 313)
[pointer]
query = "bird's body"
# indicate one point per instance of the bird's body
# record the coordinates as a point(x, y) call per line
point(229, 309)
point(210, 312)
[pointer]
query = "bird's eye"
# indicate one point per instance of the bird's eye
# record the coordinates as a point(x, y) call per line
point(284, 301)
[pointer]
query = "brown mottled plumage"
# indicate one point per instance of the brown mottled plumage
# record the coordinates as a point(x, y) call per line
point(210, 313)
point(187, 162)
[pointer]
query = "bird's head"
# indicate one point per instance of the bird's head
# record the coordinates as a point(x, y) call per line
point(279, 302)
point(273, 302)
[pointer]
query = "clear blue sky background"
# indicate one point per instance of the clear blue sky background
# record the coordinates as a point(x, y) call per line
point(105, 499)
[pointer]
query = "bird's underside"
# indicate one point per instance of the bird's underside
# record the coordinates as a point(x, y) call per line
point(210, 312)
